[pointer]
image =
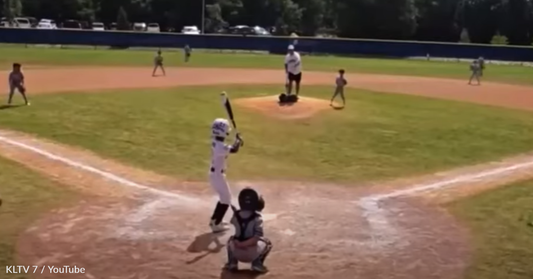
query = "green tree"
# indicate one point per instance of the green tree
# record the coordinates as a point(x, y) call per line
point(482, 19)
point(312, 16)
point(517, 17)
point(439, 20)
point(122, 20)
point(12, 9)
point(214, 20)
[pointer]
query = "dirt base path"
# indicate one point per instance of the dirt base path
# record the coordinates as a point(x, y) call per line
point(144, 225)
point(55, 80)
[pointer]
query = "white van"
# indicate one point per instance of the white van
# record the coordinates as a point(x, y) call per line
point(23, 22)
point(98, 26)
point(18, 22)
point(45, 23)
point(139, 26)
point(153, 27)
point(190, 30)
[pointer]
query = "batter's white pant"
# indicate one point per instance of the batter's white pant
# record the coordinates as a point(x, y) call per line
point(220, 185)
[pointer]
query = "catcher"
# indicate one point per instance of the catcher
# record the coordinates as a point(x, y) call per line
point(16, 81)
point(158, 63)
point(248, 244)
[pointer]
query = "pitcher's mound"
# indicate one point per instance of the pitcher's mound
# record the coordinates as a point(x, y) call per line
point(269, 105)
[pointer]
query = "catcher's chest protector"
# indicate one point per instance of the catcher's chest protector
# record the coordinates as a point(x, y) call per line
point(245, 228)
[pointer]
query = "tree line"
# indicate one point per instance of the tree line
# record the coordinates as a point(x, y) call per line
point(475, 21)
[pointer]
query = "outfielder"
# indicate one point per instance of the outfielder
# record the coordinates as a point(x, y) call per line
point(187, 52)
point(248, 244)
point(158, 63)
point(475, 67)
point(220, 129)
point(16, 81)
point(340, 83)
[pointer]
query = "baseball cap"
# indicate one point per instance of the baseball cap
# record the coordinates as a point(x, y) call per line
point(291, 47)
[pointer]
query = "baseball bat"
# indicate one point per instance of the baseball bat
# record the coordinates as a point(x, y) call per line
point(227, 105)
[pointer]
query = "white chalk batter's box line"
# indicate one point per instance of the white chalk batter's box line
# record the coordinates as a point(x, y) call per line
point(414, 189)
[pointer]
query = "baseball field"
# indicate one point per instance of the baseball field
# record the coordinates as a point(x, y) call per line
point(419, 176)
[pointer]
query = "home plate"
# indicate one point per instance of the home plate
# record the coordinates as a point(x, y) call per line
point(269, 217)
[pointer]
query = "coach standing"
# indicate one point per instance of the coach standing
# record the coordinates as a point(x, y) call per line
point(293, 69)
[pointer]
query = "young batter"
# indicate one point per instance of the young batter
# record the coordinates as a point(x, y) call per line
point(16, 81)
point(249, 243)
point(158, 63)
point(220, 129)
point(340, 83)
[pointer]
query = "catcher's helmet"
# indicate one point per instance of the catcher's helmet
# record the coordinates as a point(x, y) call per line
point(260, 204)
point(249, 199)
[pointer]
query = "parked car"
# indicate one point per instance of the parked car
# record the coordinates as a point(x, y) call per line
point(139, 26)
point(258, 30)
point(97, 26)
point(71, 24)
point(190, 30)
point(46, 24)
point(18, 22)
point(153, 27)
point(33, 22)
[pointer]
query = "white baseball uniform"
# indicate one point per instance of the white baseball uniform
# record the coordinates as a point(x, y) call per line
point(217, 171)
point(294, 63)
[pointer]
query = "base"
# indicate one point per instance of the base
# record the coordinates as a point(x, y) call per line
point(287, 99)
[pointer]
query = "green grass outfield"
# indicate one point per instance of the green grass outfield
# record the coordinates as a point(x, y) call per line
point(378, 136)
point(502, 225)
point(26, 197)
point(55, 56)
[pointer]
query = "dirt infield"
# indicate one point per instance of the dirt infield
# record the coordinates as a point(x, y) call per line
point(137, 224)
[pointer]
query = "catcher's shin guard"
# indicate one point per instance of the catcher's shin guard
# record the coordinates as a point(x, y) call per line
point(262, 257)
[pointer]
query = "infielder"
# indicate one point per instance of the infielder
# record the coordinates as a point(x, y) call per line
point(293, 69)
point(158, 63)
point(475, 67)
point(187, 53)
point(220, 129)
point(340, 83)
point(16, 81)
point(481, 65)
point(248, 244)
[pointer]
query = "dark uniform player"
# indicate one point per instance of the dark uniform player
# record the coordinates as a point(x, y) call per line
point(158, 63)
point(249, 244)
point(187, 53)
point(16, 82)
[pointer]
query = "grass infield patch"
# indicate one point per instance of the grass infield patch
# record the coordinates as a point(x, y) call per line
point(377, 136)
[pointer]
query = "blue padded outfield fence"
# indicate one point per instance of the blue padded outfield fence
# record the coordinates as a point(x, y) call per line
point(271, 44)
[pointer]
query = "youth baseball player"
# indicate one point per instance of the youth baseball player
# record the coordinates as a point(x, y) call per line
point(475, 67)
point(293, 69)
point(187, 53)
point(16, 82)
point(481, 65)
point(158, 63)
point(249, 244)
point(340, 83)
point(220, 129)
